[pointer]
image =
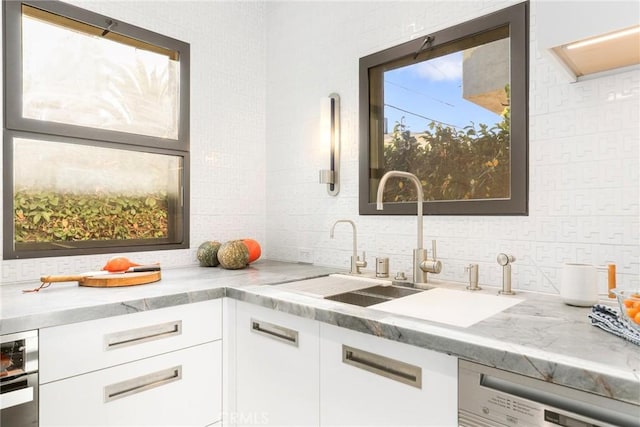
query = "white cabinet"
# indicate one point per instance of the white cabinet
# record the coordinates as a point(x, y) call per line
point(179, 388)
point(277, 368)
point(77, 348)
point(367, 380)
point(158, 367)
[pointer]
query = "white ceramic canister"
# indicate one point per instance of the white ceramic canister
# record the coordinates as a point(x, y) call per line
point(579, 285)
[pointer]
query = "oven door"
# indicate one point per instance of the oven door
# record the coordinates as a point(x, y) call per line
point(19, 401)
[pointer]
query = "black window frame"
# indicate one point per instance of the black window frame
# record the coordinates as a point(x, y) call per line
point(517, 19)
point(17, 126)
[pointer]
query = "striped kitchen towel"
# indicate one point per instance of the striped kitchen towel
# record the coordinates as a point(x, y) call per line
point(607, 318)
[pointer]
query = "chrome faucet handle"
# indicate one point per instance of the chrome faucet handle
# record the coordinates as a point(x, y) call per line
point(362, 263)
point(432, 266)
point(504, 259)
point(472, 269)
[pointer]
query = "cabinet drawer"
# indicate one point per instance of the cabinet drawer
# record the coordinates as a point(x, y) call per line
point(367, 380)
point(78, 348)
point(277, 369)
point(178, 388)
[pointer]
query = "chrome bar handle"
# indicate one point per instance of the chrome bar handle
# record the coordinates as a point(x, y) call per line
point(140, 335)
point(277, 332)
point(146, 382)
point(383, 366)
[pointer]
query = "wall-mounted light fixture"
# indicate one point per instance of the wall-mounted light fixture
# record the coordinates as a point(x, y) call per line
point(601, 53)
point(330, 138)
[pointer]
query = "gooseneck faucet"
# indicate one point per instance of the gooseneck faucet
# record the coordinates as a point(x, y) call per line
point(355, 260)
point(421, 265)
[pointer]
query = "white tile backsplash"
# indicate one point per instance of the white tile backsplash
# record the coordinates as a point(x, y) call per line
point(258, 71)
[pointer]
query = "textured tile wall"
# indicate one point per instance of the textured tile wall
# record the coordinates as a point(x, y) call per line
point(584, 155)
point(228, 53)
point(584, 142)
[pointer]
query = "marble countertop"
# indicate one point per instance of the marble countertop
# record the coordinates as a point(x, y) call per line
point(540, 337)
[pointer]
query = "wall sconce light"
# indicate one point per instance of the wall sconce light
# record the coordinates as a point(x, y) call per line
point(330, 128)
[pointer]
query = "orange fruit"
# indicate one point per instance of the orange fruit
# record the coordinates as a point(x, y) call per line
point(118, 264)
point(628, 302)
point(637, 318)
point(254, 249)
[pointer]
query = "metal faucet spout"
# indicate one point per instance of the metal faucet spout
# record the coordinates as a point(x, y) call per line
point(420, 195)
point(355, 233)
point(421, 264)
point(356, 263)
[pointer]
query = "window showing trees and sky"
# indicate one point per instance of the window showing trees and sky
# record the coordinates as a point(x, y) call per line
point(446, 120)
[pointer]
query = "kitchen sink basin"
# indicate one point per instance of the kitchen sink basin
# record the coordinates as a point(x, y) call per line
point(373, 295)
point(356, 298)
point(390, 291)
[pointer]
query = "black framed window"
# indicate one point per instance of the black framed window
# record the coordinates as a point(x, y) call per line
point(96, 134)
point(451, 108)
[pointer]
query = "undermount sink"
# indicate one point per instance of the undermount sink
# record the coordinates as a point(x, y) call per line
point(435, 305)
point(373, 295)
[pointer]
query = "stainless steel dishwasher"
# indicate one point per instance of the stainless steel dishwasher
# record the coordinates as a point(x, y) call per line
point(490, 397)
point(19, 379)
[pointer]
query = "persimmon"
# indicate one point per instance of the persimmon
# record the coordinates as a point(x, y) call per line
point(254, 249)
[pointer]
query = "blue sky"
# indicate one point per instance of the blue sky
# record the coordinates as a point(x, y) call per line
point(432, 89)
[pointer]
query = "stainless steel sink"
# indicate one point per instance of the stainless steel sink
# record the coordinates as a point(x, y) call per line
point(390, 291)
point(357, 298)
point(373, 295)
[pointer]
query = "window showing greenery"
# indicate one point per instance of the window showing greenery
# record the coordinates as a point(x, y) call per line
point(450, 108)
point(96, 138)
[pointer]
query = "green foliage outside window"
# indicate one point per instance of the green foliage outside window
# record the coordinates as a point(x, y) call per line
point(46, 216)
point(473, 163)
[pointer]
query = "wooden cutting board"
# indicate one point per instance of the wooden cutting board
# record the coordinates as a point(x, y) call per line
point(107, 280)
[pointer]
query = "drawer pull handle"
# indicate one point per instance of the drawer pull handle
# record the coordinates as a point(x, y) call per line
point(140, 384)
point(384, 366)
point(140, 335)
point(274, 331)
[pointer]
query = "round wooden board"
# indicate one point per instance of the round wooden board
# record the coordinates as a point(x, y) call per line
point(120, 279)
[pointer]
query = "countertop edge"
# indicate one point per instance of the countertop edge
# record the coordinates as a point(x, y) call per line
point(509, 358)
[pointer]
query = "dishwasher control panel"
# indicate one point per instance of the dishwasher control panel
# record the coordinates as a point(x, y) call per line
point(491, 397)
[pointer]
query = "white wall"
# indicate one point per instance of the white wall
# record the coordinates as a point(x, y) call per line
point(227, 125)
point(584, 156)
point(257, 64)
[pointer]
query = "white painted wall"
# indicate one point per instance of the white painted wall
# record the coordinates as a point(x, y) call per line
point(584, 155)
point(258, 66)
point(228, 54)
